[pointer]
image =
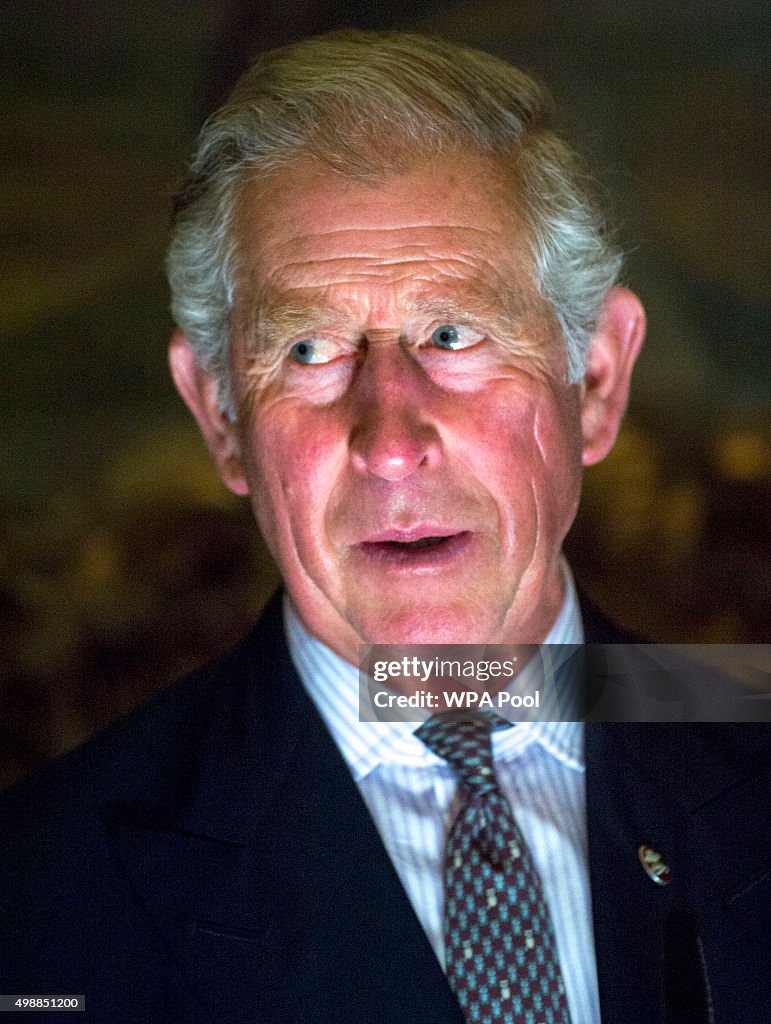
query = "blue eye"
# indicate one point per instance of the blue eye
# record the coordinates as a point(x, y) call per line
point(313, 351)
point(302, 351)
point(453, 337)
point(445, 336)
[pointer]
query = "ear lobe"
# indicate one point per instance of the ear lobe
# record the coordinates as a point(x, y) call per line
point(615, 346)
point(198, 389)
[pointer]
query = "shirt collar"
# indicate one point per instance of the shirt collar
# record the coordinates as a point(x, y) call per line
point(333, 686)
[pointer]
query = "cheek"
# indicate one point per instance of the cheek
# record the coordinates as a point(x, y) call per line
point(527, 452)
point(293, 460)
point(497, 437)
point(557, 441)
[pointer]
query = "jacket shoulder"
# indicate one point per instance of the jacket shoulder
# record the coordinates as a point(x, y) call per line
point(599, 629)
point(149, 754)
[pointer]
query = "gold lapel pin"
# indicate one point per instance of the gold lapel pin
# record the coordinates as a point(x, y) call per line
point(654, 866)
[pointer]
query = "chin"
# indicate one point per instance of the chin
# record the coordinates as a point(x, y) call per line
point(428, 625)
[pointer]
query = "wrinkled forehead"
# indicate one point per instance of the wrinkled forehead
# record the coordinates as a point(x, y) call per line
point(451, 225)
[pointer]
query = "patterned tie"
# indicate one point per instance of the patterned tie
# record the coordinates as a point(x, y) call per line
point(501, 956)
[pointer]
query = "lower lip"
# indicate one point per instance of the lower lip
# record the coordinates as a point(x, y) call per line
point(400, 556)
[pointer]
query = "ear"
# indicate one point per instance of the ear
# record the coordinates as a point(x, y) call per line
point(615, 346)
point(198, 389)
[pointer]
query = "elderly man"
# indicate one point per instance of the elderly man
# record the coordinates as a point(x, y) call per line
point(400, 335)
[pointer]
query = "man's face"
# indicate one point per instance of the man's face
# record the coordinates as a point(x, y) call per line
point(411, 447)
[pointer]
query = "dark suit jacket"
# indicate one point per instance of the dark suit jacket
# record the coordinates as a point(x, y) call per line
point(209, 858)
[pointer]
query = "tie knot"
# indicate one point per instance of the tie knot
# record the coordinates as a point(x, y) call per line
point(466, 745)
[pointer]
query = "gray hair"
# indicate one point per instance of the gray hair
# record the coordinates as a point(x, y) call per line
point(366, 103)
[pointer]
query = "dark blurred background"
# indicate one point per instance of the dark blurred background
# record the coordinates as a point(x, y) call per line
point(123, 561)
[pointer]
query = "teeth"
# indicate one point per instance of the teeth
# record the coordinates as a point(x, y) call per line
point(424, 542)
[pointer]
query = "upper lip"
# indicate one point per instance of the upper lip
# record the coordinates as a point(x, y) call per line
point(408, 536)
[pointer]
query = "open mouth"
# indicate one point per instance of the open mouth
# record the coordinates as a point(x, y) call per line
point(430, 549)
point(424, 542)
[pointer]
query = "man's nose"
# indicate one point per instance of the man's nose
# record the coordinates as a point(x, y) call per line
point(394, 433)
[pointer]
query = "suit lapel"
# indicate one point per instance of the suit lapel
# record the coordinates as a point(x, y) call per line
point(628, 808)
point(698, 796)
point(268, 879)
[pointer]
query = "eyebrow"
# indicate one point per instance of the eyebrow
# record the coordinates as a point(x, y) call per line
point(472, 308)
point(267, 325)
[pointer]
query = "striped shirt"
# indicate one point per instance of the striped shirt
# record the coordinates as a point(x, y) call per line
point(413, 798)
